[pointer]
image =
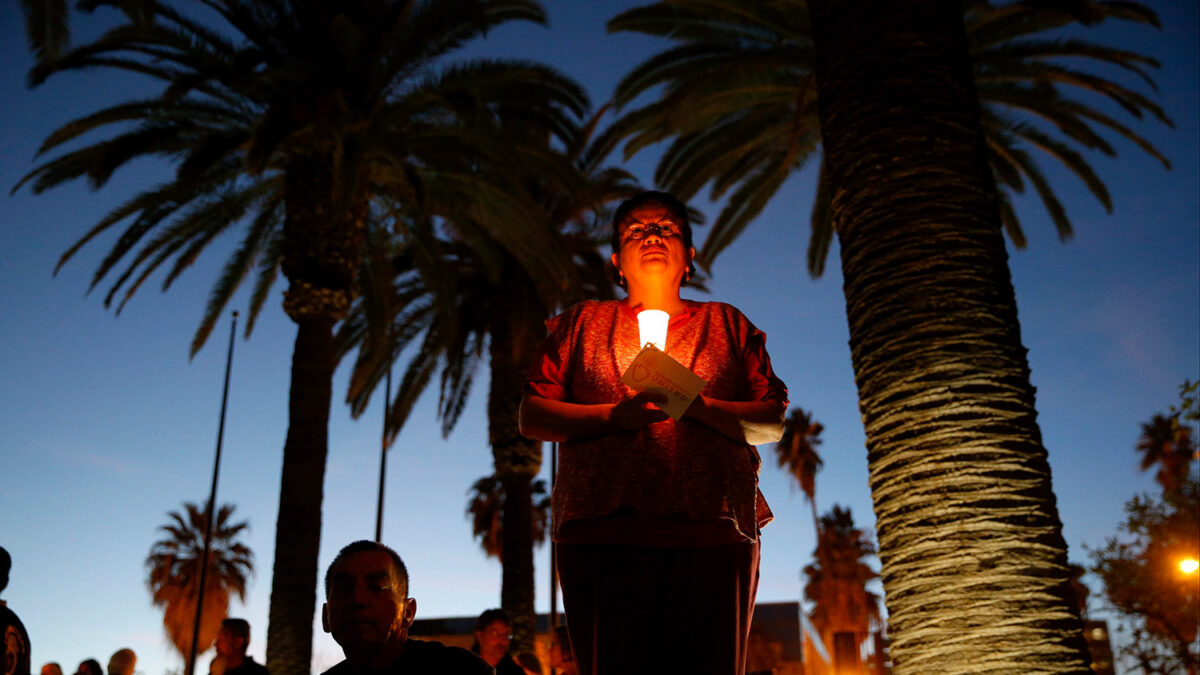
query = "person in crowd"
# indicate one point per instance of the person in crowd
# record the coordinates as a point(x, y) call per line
point(122, 662)
point(232, 640)
point(529, 663)
point(89, 667)
point(15, 648)
point(493, 633)
point(561, 661)
point(368, 611)
point(656, 520)
point(51, 668)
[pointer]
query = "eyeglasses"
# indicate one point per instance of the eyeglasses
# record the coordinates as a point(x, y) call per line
point(639, 230)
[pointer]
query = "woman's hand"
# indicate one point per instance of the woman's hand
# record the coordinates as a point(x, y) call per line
point(555, 421)
point(753, 422)
point(638, 411)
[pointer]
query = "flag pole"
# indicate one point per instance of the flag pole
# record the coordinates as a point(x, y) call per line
point(387, 402)
point(212, 499)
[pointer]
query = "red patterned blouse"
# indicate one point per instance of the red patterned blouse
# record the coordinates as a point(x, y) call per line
point(670, 483)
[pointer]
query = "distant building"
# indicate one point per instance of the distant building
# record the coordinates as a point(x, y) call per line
point(1096, 634)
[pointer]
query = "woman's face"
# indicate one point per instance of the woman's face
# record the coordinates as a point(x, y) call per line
point(652, 250)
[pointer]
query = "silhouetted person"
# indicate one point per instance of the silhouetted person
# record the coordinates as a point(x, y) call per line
point(89, 667)
point(232, 641)
point(368, 611)
point(562, 661)
point(122, 662)
point(16, 640)
point(493, 632)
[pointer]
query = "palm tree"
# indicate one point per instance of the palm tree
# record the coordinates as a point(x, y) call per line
point(485, 509)
point(174, 565)
point(1167, 444)
point(741, 104)
point(974, 564)
point(844, 610)
point(446, 299)
point(46, 28)
point(291, 123)
point(796, 451)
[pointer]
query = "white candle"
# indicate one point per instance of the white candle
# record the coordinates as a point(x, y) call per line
point(652, 327)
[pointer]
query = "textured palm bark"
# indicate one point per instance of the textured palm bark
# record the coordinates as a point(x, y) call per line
point(298, 527)
point(517, 460)
point(974, 562)
point(323, 234)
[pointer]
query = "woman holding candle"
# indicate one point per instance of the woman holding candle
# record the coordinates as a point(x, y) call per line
point(656, 521)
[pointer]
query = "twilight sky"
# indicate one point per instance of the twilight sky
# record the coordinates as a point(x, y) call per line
point(105, 424)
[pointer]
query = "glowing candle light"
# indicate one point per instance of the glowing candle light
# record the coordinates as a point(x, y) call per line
point(652, 327)
point(1189, 565)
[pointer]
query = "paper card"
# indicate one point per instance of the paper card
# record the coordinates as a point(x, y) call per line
point(654, 370)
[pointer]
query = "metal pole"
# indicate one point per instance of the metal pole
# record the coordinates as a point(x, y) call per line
point(553, 558)
point(212, 500)
point(387, 401)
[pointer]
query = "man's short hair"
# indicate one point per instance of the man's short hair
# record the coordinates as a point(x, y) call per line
point(238, 628)
point(363, 545)
point(122, 662)
point(490, 617)
point(5, 566)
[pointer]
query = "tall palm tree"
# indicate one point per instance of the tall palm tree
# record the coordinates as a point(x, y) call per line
point(173, 573)
point(974, 563)
point(739, 100)
point(1167, 444)
point(485, 509)
point(843, 606)
point(796, 452)
point(46, 28)
point(291, 123)
point(455, 300)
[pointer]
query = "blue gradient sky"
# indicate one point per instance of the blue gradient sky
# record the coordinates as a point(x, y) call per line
point(105, 424)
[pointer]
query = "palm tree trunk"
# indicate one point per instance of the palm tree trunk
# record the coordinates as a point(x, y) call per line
point(974, 562)
point(324, 228)
point(517, 460)
point(298, 528)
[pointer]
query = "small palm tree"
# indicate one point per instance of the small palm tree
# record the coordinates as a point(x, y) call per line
point(485, 509)
point(796, 452)
point(837, 586)
point(1167, 444)
point(174, 566)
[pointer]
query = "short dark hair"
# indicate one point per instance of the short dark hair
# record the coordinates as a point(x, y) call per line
point(239, 628)
point(490, 617)
point(5, 566)
point(363, 545)
point(678, 211)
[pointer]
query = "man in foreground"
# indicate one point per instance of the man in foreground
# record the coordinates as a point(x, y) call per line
point(368, 612)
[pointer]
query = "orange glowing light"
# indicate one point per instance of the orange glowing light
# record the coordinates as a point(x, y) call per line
point(652, 327)
point(1189, 565)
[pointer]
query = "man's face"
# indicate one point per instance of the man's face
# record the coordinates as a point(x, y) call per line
point(227, 644)
point(493, 641)
point(366, 609)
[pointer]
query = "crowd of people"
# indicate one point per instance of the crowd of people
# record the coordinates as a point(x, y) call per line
point(656, 516)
